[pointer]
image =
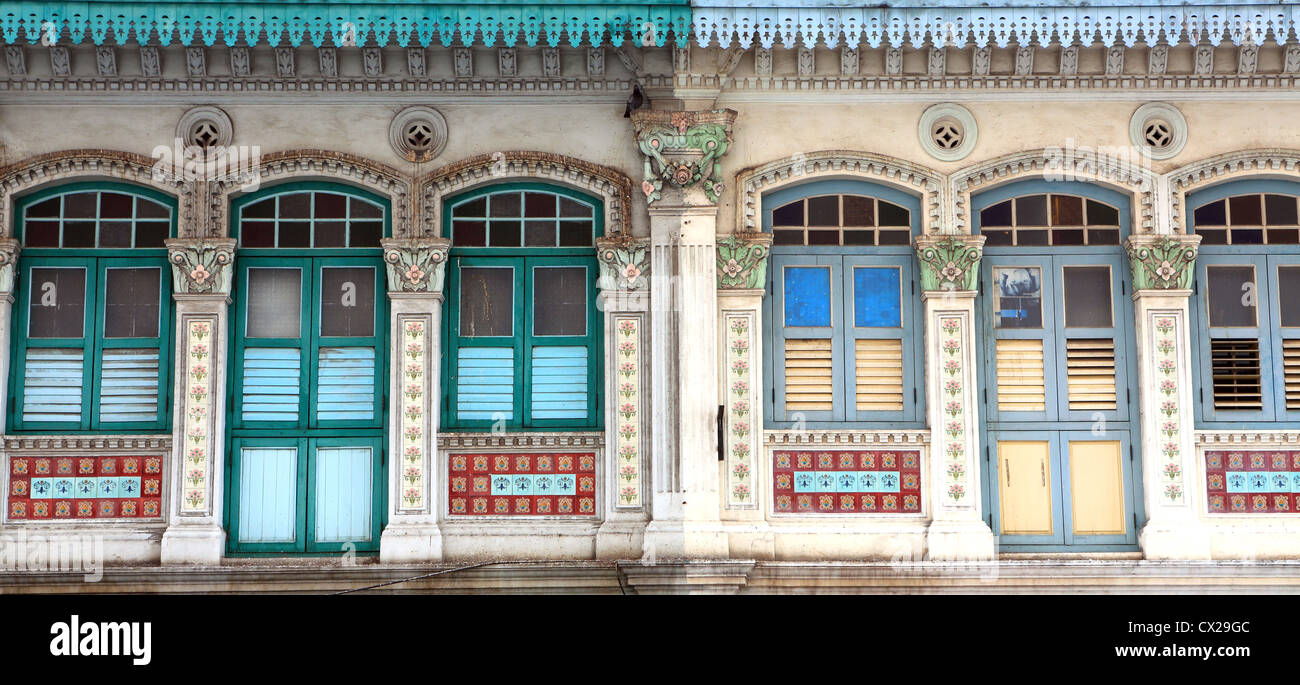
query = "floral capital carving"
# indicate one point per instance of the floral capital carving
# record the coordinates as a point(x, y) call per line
point(624, 263)
point(742, 260)
point(416, 265)
point(949, 262)
point(684, 149)
point(1162, 262)
point(201, 266)
point(9, 249)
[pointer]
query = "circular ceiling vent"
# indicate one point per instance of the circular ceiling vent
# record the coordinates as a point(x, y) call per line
point(418, 133)
point(1158, 130)
point(947, 132)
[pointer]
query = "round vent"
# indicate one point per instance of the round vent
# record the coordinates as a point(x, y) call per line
point(947, 132)
point(205, 127)
point(1158, 130)
point(418, 133)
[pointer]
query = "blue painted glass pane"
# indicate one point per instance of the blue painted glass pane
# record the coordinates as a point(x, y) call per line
point(268, 493)
point(343, 491)
point(807, 296)
point(877, 297)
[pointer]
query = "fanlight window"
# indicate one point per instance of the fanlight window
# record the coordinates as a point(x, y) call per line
point(96, 219)
point(1051, 220)
point(1255, 219)
point(841, 220)
point(522, 218)
point(311, 219)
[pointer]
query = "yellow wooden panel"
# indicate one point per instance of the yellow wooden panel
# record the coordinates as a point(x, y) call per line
point(1090, 373)
point(879, 374)
point(1025, 487)
point(808, 384)
point(1021, 384)
point(1097, 487)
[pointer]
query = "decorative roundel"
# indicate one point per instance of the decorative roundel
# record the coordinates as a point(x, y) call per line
point(1158, 129)
point(947, 132)
point(418, 133)
point(206, 127)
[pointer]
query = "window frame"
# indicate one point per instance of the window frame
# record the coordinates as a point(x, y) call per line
point(237, 206)
point(95, 261)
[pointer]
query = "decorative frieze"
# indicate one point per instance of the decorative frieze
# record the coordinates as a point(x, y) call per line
point(45, 488)
point(284, 62)
point(596, 61)
point(1069, 60)
point(415, 63)
point(240, 62)
point(949, 263)
point(329, 62)
point(201, 266)
point(1166, 334)
point(815, 436)
point(60, 61)
point(624, 263)
point(1162, 262)
point(416, 265)
point(15, 60)
point(807, 62)
point(846, 482)
point(38, 444)
point(1024, 60)
point(1115, 60)
point(150, 61)
point(849, 61)
point(372, 62)
point(506, 62)
point(957, 431)
point(1158, 59)
point(196, 62)
point(413, 423)
point(551, 62)
point(683, 148)
point(628, 436)
point(522, 485)
point(199, 372)
point(106, 60)
point(532, 440)
point(742, 260)
point(742, 410)
point(1252, 482)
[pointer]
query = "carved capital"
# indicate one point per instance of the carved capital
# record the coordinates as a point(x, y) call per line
point(1162, 262)
point(949, 262)
point(201, 266)
point(416, 265)
point(624, 263)
point(9, 249)
point(684, 149)
point(742, 260)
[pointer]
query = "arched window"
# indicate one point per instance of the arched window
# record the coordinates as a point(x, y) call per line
point(1244, 306)
point(522, 330)
point(1058, 368)
point(841, 321)
point(92, 340)
point(309, 370)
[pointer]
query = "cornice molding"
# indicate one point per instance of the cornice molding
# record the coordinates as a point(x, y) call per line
point(1248, 438)
point(463, 441)
point(48, 445)
point(814, 438)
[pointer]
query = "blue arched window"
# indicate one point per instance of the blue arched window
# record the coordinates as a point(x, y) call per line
point(1245, 310)
point(841, 322)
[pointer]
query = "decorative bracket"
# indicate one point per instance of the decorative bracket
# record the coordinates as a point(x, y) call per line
point(742, 260)
point(1162, 262)
point(949, 263)
point(201, 266)
point(416, 265)
point(683, 148)
point(624, 263)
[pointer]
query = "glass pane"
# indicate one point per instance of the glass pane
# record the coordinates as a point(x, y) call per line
point(58, 303)
point(1067, 236)
point(78, 234)
point(347, 302)
point(506, 205)
point(295, 206)
point(877, 300)
point(360, 209)
point(131, 301)
point(80, 205)
point(47, 209)
point(1283, 236)
point(148, 209)
point(787, 238)
point(115, 206)
point(257, 234)
point(1087, 297)
point(539, 234)
point(294, 234)
point(1102, 215)
point(788, 215)
point(998, 237)
point(807, 296)
point(823, 237)
point(824, 211)
point(115, 234)
point(560, 300)
point(1245, 210)
point(860, 237)
point(274, 303)
point(575, 233)
point(331, 206)
point(1109, 236)
point(859, 211)
point(892, 215)
point(1288, 286)
point(1247, 236)
point(41, 234)
point(260, 210)
point(1231, 294)
point(330, 234)
point(504, 234)
point(895, 237)
point(474, 209)
point(151, 233)
point(1279, 210)
point(469, 233)
point(365, 233)
point(1067, 210)
point(1031, 210)
point(487, 301)
point(573, 208)
point(997, 215)
point(1213, 214)
point(1032, 236)
point(1018, 297)
point(539, 205)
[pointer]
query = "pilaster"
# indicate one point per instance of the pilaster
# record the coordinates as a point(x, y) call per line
point(202, 271)
point(1162, 276)
point(949, 273)
point(416, 270)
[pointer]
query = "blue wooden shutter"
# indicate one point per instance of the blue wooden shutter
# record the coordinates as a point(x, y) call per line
point(271, 383)
point(268, 494)
point(343, 494)
point(128, 380)
point(559, 382)
point(346, 383)
point(52, 385)
point(485, 378)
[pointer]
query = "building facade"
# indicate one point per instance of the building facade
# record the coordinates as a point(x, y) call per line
point(651, 282)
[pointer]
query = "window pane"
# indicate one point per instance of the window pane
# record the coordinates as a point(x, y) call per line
point(148, 209)
point(539, 205)
point(274, 303)
point(366, 234)
point(295, 206)
point(1288, 285)
point(997, 215)
point(788, 215)
point(476, 208)
point(47, 209)
point(331, 206)
point(1031, 211)
point(257, 234)
point(131, 302)
point(469, 233)
point(1102, 215)
point(41, 234)
point(330, 234)
point(115, 206)
point(824, 211)
point(789, 238)
point(80, 205)
point(560, 300)
point(1213, 214)
point(504, 234)
point(58, 303)
point(858, 211)
point(575, 233)
point(1018, 297)
point(1245, 210)
point(347, 307)
point(877, 298)
point(1231, 295)
point(294, 234)
point(892, 215)
point(260, 210)
point(807, 296)
point(360, 209)
point(78, 234)
point(506, 205)
point(573, 208)
point(1087, 297)
point(539, 234)
point(1067, 210)
point(487, 301)
point(1279, 210)
point(115, 234)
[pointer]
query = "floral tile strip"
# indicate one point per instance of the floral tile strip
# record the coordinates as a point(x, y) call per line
point(522, 485)
point(843, 482)
point(951, 440)
point(1252, 482)
point(200, 369)
point(1165, 331)
point(413, 440)
point(43, 488)
point(742, 434)
point(627, 437)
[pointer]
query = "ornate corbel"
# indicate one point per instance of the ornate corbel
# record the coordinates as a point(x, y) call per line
point(9, 249)
point(201, 266)
point(683, 148)
point(416, 265)
point(1162, 262)
point(624, 263)
point(949, 262)
point(742, 260)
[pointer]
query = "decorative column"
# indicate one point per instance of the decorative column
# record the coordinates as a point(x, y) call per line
point(742, 277)
point(9, 249)
point(1162, 279)
point(682, 181)
point(949, 273)
point(625, 300)
point(416, 269)
point(202, 271)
